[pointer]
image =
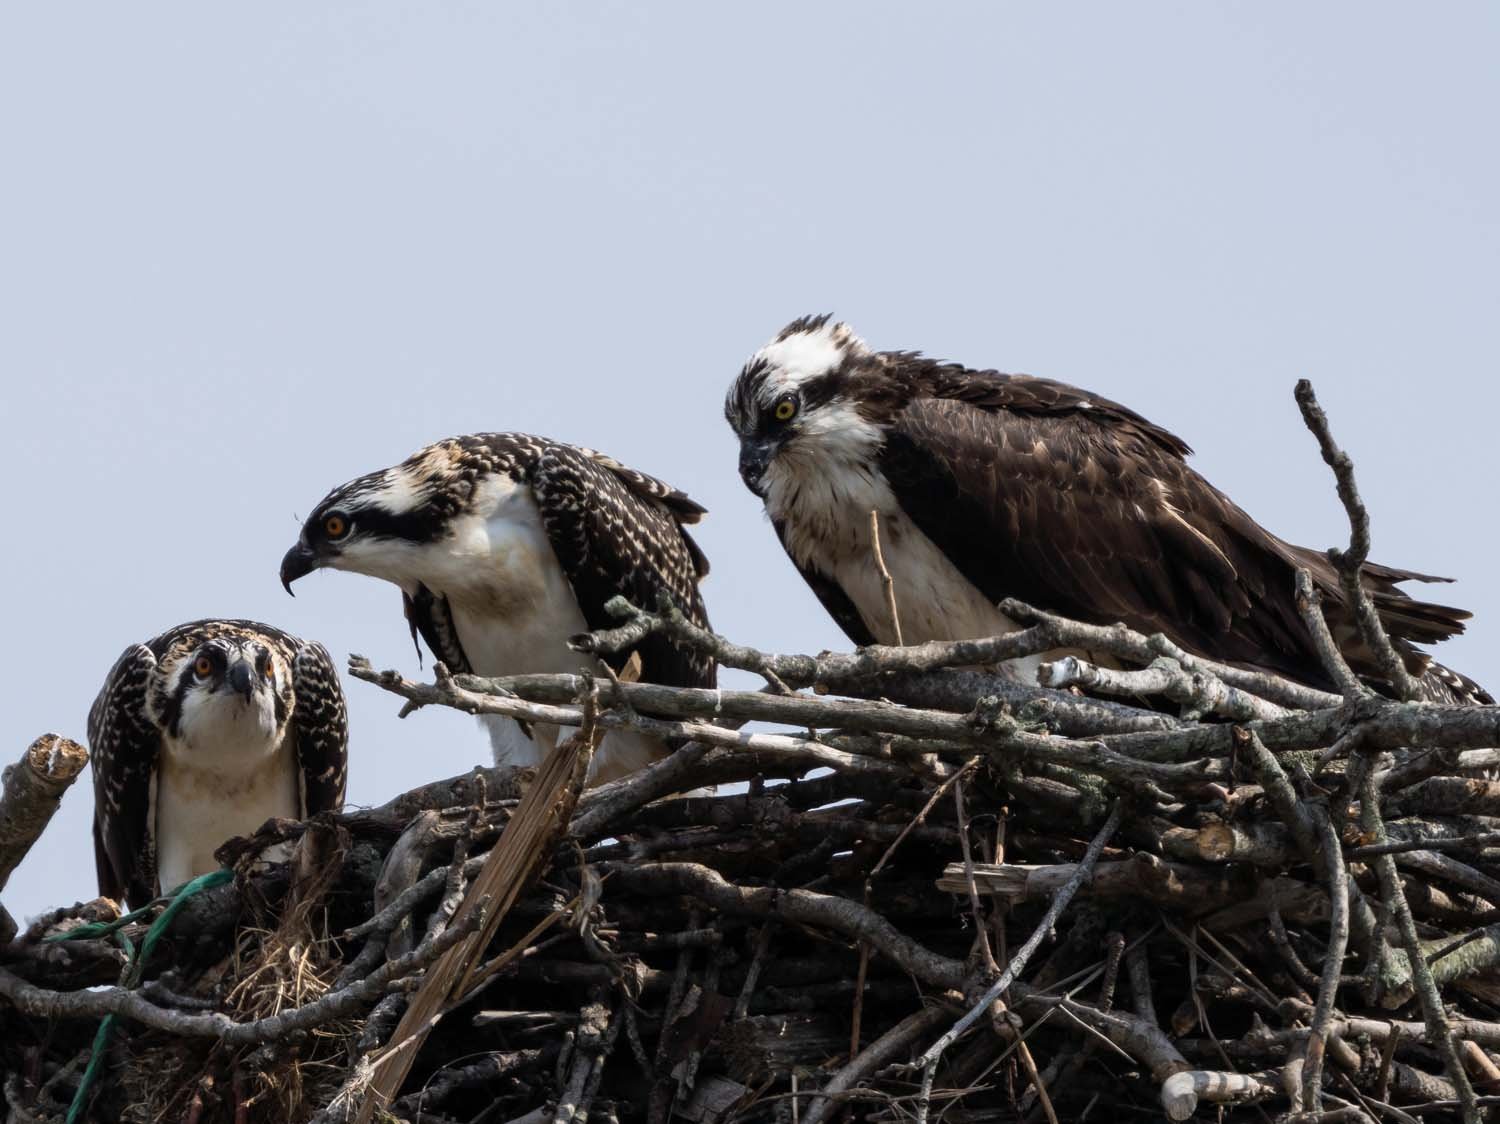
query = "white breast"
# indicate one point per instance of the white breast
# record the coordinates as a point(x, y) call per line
point(824, 504)
point(206, 794)
point(514, 610)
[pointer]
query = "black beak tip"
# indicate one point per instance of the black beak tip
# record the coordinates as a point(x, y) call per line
point(298, 562)
point(241, 679)
point(754, 460)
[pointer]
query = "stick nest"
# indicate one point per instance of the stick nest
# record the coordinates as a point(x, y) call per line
point(1154, 886)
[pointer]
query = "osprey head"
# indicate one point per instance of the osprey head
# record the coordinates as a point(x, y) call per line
point(223, 690)
point(370, 524)
point(799, 398)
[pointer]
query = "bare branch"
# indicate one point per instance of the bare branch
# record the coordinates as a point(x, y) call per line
point(33, 789)
point(1350, 562)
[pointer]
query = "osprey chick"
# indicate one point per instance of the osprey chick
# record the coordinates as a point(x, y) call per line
point(505, 545)
point(991, 486)
point(204, 733)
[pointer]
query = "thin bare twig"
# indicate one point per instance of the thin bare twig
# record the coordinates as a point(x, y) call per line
point(887, 582)
point(1350, 562)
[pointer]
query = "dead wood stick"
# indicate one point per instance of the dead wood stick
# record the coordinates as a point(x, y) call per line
point(1445, 796)
point(1282, 942)
point(955, 689)
point(1023, 954)
point(597, 1031)
point(1449, 869)
point(803, 711)
point(1047, 632)
point(1038, 1085)
point(1310, 609)
point(1440, 1033)
point(33, 789)
point(94, 1004)
point(804, 907)
point(1333, 965)
point(1139, 967)
point(1382, 724)
point(1200, 692)
point(525, 844)
point(1181, 1092)
point(1194, 890)
point(1125, 643)
point(862, 971)
point(801, 670)
point(1138, 1038)
point(452, 1078)
point(400, 871)
point(887, 582)
point(600, 807)
point(1478, 953)
point(448, 692)
point(1399, 844)
point(1265, 844)
point(995, 731)
point(875, 1055)
point(1350, 562)
point(1311, 838)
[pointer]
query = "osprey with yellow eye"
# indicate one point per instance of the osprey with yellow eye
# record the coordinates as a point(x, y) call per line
point(988, 486)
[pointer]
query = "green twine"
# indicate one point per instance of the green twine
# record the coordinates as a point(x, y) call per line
point(105, 928)
point(96, 1059)
point(135, 965)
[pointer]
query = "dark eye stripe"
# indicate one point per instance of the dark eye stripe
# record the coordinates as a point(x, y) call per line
point(821, 390)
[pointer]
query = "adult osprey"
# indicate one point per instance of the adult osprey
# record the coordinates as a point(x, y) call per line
point(505, 545)
point(990, 486)
point(204, 733)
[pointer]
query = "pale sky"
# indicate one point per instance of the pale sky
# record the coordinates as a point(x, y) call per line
point(250, 251)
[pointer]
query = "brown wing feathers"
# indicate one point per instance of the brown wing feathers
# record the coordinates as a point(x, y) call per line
point(1040, 491)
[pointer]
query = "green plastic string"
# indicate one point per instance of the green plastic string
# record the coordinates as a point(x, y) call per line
point(135, 965)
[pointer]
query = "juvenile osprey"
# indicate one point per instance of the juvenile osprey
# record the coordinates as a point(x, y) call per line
point(505, 545)
point(991, 486)
point(202, 734)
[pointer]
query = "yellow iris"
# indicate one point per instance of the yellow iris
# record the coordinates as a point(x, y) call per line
point(785, 409)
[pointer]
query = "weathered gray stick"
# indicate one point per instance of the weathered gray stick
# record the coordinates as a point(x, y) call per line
point(33, 789)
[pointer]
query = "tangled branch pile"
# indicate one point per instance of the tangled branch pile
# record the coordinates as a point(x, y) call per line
point(942, 895)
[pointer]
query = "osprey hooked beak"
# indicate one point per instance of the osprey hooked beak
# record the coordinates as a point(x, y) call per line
point(300, 561)
point(241, 678)
point(755, 458)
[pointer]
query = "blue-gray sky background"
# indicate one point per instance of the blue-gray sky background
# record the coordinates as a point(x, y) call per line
point(250, 251)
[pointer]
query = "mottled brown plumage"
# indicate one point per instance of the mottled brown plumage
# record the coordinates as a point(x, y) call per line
point(506, 544)
point(1041, 491)
point(143, 722)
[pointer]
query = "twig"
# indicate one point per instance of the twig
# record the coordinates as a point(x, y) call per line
point(1047, 632)
point(1019, 960)
point(875, 1055)
point(525, 842)
point(1200, 692)
point(1350, 562)
point(1310, 608)
point(798, 906)
point(1439, 1032)
point(1140, 983)
point(887, 582)
point(94, 1004)
point(1333, 964)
